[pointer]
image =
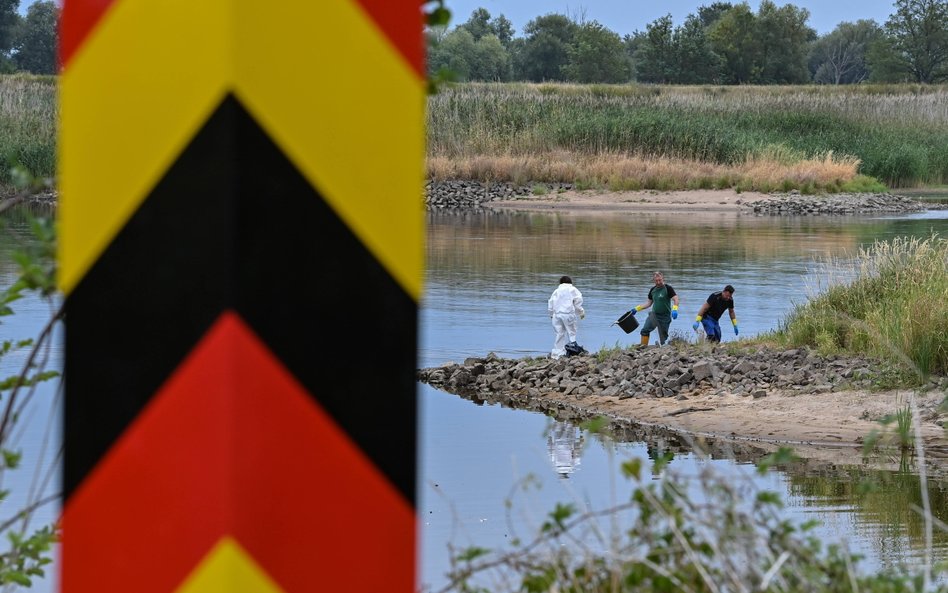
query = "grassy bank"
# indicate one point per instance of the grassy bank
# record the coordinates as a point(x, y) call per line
point(896, 134)
point(28, 118)
point(891, 304)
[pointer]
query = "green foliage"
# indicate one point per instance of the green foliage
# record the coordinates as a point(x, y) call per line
point(596, 425)
point(29, 551)
point(9, 21)
point(679, 55)
point(36, 39)
point(785, 39)
point(556, 523)
point(27, 557)
point(436, 13)
point(481, 25)
point(902, 419)
point(863, 184)
point(596, 55)
point(733, 38)
point(467, 57)
point(918, 34)
point(730, 537)
point(723, 42)
point(545, 51)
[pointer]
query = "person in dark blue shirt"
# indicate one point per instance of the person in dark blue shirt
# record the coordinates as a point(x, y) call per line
point(711, 311)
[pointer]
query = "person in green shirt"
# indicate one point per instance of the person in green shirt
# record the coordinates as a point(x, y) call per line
point(663, 300)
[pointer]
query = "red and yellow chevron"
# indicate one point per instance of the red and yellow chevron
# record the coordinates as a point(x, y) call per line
point(241, 250)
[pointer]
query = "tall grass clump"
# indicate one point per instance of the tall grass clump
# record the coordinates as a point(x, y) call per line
point(897, 134)
point(28, 119)
point(893, 304)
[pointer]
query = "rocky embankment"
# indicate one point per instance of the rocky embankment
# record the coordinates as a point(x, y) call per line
point(468, 195)
point(473, 195)
point(796, 204)
point(674, 371)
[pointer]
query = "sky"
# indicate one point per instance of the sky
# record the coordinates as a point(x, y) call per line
point(627, 16)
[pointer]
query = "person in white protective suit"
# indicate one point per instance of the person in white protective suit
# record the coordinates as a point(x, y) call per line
point(566, 308)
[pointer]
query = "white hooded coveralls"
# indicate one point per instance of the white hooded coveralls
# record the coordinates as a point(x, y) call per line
point(566, 303)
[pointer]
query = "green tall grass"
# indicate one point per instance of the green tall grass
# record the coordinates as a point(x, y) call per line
point(899, 133)
point(893, 304)
point(28, 120)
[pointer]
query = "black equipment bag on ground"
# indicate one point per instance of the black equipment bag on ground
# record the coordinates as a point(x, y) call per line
point(574, 349)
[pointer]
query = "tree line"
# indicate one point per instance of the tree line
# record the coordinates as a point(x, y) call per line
point(28, 42)
point(722, 43)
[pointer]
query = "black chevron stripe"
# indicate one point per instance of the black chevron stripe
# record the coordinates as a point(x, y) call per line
point(234, 225)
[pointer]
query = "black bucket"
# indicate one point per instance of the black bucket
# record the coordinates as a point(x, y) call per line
point(628, 322)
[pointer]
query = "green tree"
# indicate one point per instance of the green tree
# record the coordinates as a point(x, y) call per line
point(35, 42)
point(734, 38)
point(9, 23)
point(467, 59)
point(490, 60)
point(783, 41)
point(885, 63)
point(654, 55)
point(708, 15)
point(597, 55)
point(696, 61)
point(840, 57)
point(453, 52)
point(680, 55)
point(545, 50)
point(770, 47)
point(918, 33)
point(503, 30)
point(480, 25)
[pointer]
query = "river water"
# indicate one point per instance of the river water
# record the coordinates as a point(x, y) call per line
point(488, 280)
point(489, 276)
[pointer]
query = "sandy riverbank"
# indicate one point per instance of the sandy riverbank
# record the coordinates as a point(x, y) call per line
point(841, 418)
point(724, 200)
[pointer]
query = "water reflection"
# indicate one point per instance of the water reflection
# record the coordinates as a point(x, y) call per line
point(565, 444)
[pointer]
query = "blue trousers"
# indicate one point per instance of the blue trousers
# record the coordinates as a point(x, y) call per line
point(712, 328)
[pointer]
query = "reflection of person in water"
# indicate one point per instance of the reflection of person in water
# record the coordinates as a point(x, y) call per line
point(565, 444)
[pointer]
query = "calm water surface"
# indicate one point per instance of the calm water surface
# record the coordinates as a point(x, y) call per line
point(489, 277)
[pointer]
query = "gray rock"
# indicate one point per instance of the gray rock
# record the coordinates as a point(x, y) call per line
point(744, 367)
point(701, 370)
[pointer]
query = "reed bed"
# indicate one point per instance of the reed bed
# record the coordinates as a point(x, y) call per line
point(619, 172)
point(28, 119)
point(898, 134)
point(890, 302)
